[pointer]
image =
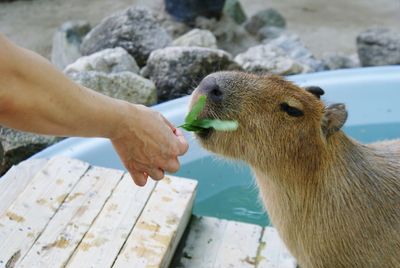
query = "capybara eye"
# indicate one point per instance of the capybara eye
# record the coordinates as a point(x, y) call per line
point(290, 110)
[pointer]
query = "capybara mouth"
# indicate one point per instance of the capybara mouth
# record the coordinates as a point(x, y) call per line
point(205, 133)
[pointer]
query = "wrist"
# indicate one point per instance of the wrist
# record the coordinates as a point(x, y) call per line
point(127, 116)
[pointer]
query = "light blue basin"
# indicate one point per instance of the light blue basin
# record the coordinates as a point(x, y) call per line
point(227, 190)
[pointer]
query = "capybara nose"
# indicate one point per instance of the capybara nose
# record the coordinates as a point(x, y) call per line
point(209, 87)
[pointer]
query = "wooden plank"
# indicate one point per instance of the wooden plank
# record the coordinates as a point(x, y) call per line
point(16, 179)
point(68, 226)
point(240, 245)
point(213, 242)
point(105, 238)
point(27, 217)
point(155, 236)
point(273, 252)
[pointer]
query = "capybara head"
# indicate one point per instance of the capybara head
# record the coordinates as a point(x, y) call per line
point(277, 119)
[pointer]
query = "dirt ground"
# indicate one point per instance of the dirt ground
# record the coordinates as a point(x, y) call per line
point(323, 25)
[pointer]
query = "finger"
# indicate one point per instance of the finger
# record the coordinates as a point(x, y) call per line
point(156, 173)
point(139, 178)
point(183, 144)
point(172, 166)
point(171, 126)
point(137, 175)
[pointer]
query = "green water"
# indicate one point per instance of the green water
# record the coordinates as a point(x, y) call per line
point(227, 190)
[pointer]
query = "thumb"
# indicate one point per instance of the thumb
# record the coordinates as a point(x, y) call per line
point(183, 144)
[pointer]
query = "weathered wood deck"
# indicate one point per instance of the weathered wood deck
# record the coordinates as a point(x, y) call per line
point(211, 242)
point(66, 213)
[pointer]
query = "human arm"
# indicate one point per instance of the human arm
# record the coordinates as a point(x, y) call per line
point(36, 97)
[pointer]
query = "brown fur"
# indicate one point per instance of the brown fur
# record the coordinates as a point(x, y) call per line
point(334, 201)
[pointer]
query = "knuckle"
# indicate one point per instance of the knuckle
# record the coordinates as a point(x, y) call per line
point(159, 176)
point(175, 150)
point(174, 166)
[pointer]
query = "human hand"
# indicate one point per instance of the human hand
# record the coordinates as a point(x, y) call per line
point(148, 144)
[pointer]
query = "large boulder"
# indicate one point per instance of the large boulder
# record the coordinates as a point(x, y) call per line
point(196, 38)
point(267, 33)
point(66, 42)
point(231, 37)
point(110, 60)
point(378, 46)
point(268, 17)
point(135, 29)
point(295, 49)
point(334, 61)
point(234, 9)
point(123, 85)
point(176, 70)
point(16, 146)
point(173, 27)
point(269, 59)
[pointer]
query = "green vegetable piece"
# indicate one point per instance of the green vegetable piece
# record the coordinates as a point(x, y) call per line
point(196, 110)
point(190, 127)
point(220, 125)
point(196, 125)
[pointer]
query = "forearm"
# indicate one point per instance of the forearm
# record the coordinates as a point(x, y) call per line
point(36, 97)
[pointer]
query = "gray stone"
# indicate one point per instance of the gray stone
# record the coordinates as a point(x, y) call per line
point(267, 33)
point(234, 9)
point(66, 42)
point(334, 61)
point(267, 17)
point(135, 29)
point(295, 49)
point(177, 70)
point(16, 146)
point(124, 85)
point(198, 38)
point(173, 27)
point(378, 46)
point(110, 60)
point(269, 59)
point(231, 37)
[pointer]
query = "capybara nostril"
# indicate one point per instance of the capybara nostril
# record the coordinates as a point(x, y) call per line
point(209, 87)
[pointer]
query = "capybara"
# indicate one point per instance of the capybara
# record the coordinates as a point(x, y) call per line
point(334, 201)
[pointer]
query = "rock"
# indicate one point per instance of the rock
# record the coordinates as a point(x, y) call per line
point(196, 37)
point(16, 146)
point(234, 9)
point(110, 60)
point(176, 70)
point(267, 33)
point(268, 17)
point(188, 10)
point(66, 42)
point(378, 46)
point(334, 61)
point(173, 27)
point(268, 58)
point(135, 29)
point(295, 49)
point(231, 37)
point(123, 85)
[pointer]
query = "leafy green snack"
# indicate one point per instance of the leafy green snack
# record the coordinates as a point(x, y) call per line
point(196, 125)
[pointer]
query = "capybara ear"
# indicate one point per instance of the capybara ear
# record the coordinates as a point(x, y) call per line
point(316, 91)
point(334, 118)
